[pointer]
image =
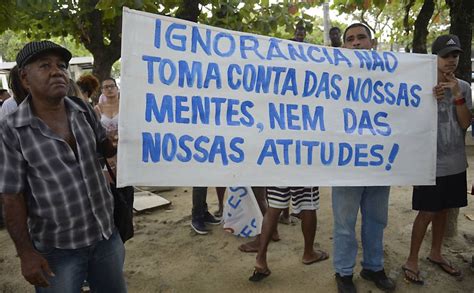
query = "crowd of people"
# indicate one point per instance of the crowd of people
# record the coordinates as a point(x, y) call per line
point(59, 208)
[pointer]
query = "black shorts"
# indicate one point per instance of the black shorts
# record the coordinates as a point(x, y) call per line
point(449, 192)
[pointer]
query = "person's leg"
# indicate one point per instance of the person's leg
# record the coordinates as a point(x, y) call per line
point(106, 266)
point(453, 195)
point(69, 267)
point(199, 210)
point(199, 201)
point(305, 203)
point(345, 207)
point(278, 199)
point(220, 198)
point(438, 230)
point(426, 200)
point(269, 224)
point(420, 225)
point(374, 211)
point(261, 197)
point(285, 217)
point(308, 227)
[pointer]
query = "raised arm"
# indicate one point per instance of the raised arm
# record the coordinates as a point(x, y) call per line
point(463, 112)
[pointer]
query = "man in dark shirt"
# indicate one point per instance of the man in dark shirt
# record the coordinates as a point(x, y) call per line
point(57, 203)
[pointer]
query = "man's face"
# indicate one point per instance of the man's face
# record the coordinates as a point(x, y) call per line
point(357, 38)
point(4, 96)
point(300, 34)
point(46, 77)
point(448, 63)
point(335, 36)
point(109, 88)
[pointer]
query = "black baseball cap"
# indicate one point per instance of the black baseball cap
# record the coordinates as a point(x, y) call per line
point(31, 51)
point(446, 44)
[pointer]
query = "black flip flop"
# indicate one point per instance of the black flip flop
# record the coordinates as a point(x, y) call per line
point(453, 272)
point(258, 276)
point(416, 281)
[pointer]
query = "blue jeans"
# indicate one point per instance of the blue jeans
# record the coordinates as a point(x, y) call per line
point(101, 264)
point(373, 203)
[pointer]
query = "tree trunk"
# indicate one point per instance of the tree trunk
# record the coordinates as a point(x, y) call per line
point(102, 65)
point(406, 24)
point(462, 21)
point(452, 223)
point(106, 49)
point(421, 27)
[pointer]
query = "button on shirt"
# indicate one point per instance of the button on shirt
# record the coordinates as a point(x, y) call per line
point(68, 198)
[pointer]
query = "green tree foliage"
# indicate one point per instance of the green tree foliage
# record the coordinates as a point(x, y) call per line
point(96, 24)
point(11, 43)
point(396, 19)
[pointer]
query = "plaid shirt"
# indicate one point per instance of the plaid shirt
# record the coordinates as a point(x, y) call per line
point(68, 199)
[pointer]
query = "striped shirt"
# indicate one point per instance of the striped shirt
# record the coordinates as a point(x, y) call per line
point(68, 199)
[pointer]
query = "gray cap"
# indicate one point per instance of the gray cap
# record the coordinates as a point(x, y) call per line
point(32, 50)
point(446, 44)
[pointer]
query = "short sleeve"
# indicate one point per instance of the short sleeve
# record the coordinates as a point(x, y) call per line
point(13, 166)
point(98, 128)
point(467, 93)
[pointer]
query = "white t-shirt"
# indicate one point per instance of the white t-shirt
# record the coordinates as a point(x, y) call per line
point(8, 107)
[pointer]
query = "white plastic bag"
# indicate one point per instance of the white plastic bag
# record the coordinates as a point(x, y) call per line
point(242, 216)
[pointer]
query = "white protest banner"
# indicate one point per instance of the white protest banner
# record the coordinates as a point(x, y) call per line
point(203, 106)
point(242, 216)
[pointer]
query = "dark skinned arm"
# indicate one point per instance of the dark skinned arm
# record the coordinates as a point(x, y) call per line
point(34, 266)
point(108, 149)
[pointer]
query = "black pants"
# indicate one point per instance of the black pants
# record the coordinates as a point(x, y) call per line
point(199, 202)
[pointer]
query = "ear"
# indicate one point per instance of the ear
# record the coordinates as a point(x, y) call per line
point(374, 43)
point(24, 78)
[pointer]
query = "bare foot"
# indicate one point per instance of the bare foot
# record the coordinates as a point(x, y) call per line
point(445, 265)
point(315, 256)
point(412, 273)
point(251, 246)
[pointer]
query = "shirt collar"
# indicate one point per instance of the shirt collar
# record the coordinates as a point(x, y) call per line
point(24, 116)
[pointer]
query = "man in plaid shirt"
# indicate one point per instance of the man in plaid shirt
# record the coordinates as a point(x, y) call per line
point(57, 203)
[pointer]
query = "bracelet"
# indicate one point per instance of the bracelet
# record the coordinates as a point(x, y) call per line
point(459, 102)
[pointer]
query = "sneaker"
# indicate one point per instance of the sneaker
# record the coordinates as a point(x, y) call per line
point(379, 278)
point(211, 220)
point(345, 284)
point(199, 227)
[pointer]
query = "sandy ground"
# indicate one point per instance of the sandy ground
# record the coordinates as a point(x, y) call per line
point(167, 256)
